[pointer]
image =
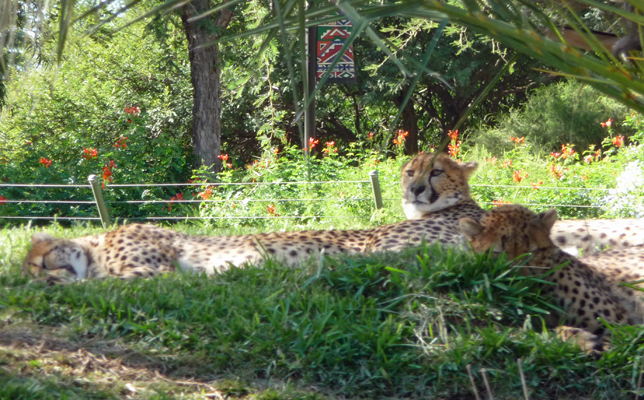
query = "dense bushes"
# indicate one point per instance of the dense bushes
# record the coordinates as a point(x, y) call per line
point(566, 112)
point(581, 183)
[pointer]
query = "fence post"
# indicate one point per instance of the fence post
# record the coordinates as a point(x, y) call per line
point(100, 203)
point(375, 185)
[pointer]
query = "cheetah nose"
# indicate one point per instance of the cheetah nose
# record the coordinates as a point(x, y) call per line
point(416, 190)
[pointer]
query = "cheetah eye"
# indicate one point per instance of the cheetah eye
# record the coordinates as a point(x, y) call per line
point(436, 172)
point(410, 172)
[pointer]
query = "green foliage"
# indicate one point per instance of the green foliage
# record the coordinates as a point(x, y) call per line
point(276, 193)
point(396, 325)
point(566, 112)
point(353, 325)
point(326, 198)
point(466, 62)
point(391, 325)
point(578, 183)
point(628, 195)
point(82, 104)
point(53, 119)
point(147, 66)
point(61, 126)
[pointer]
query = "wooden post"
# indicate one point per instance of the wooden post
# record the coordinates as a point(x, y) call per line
point(100, 203)
point(375, 185)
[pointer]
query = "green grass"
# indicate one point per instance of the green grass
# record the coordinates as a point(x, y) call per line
point(391, 325)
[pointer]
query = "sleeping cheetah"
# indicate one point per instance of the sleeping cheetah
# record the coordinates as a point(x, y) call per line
point(146, 250)
point(138, 250)
point(573, 236)
point(584, 291)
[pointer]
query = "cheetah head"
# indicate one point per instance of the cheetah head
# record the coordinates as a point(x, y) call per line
point(512, 229)
point(55, 260)
point(427, 190)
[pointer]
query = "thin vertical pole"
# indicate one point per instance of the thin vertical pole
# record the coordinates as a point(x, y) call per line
point(311, 81)
point(100, 203)
point(375, 185)
point(311, 70)
point(523, 384)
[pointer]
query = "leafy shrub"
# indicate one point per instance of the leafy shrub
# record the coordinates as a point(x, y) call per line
point(61, 126)
point(566, 112)
point(269, 195)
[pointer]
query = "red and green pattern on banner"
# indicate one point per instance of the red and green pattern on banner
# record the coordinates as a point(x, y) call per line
point(330, 39)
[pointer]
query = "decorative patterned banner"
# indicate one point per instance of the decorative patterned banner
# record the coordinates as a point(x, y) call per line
point(330, 39)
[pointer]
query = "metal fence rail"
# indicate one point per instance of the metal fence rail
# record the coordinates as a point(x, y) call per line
point(542, 187)
point(103, 211)
point(104, 217)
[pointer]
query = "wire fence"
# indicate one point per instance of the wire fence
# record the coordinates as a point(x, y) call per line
point(89, 199)
point(92, 205)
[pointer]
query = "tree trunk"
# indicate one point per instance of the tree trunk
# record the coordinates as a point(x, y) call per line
point(409, 124)
point(204, 74)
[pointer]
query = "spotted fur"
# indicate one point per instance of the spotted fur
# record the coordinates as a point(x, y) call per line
point(138, 250)
point(621, 265)
point(587, 237)
point(439, 226)
point(583, 290)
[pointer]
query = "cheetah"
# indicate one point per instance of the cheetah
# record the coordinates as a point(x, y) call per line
point(583, 290)
point(576, 237)
point(621, 266)
point(139, 250)
point(424, 188)
point(440, 197)
point(587, 237)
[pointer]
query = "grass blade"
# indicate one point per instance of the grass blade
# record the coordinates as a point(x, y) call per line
point(412, 86)
point(214, 10)
point(289, 59)
point(66, 13)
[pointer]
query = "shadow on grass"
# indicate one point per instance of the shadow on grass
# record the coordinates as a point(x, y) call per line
point(38, 364)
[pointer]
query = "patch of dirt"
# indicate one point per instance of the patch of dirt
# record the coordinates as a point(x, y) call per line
point(104, 365)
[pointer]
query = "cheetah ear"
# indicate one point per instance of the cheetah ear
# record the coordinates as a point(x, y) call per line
point(41, 237)
point(469, 227)
point(468, 168)
point(548, 218)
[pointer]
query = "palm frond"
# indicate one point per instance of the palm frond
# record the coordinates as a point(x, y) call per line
point(517, 24)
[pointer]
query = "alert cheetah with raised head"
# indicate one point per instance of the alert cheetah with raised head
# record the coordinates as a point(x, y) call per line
point(583, 290)
point(145, 250)
point(576, 237)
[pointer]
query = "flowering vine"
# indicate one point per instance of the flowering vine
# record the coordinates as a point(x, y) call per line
point(454, 147)
point(90, 153)
point(46, 162)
